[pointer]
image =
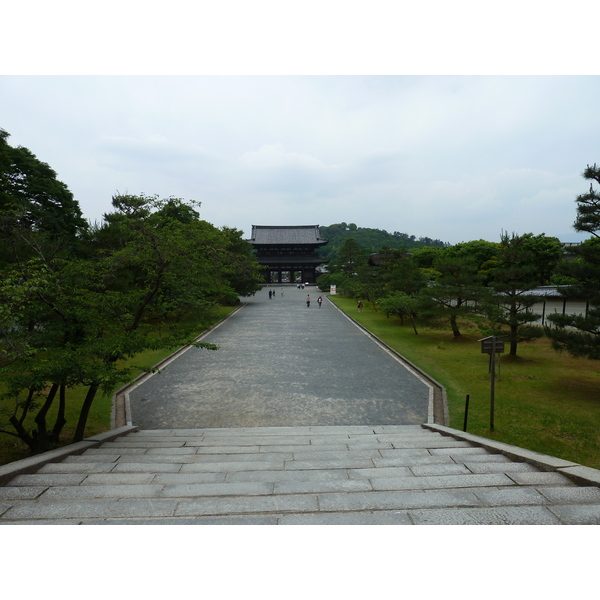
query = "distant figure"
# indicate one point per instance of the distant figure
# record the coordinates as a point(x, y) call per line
point(282, 292)
point(270, 294)
point(319, 301)
point(307, 301)
point(360, 305)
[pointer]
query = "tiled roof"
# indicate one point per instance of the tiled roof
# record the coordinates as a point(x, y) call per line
point(292, 234)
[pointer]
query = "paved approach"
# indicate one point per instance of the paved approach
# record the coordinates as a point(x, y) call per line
point(281, 363)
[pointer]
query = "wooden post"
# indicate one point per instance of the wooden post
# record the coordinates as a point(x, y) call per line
point(492, 381)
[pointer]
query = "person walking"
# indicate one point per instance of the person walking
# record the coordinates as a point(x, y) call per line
point(308, 301)
point(319, 301)
point(270, 294)
point(360, 306)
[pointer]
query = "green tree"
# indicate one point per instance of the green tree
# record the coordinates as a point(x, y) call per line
point(523, 262)
point(152, 261)
point(580, 334)
point(36, 208)
point(458, 292)
point(401, 305)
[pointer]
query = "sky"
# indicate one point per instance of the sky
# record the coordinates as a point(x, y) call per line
point(454, 151)
point(454, 158)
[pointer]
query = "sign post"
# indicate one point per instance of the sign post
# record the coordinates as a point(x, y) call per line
point(492, 346)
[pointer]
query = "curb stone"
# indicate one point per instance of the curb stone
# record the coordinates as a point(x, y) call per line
point(33, 463)
point(574, 471)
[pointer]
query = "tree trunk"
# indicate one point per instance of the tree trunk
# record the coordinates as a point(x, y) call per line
point(412, 321)
point(25, 408)
point(23, 435)
point(513, 340)
point(40, 419)
point(85, 410)
point(454, 326)
point(60, 417)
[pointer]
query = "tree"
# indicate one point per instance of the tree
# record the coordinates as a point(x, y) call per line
point(401, 305)
point(458, 291)
point(151, 263)
point(523, 263)
point(580, 334)
point(34, 204)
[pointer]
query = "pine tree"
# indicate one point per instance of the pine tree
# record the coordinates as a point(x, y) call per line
point(580, 334)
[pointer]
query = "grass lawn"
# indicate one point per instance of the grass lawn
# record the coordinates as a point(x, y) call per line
point(12, 448)
point(544, 401)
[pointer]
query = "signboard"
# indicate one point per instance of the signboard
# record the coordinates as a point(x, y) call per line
point(489, 344)
point(332, 290)
point(492, 346)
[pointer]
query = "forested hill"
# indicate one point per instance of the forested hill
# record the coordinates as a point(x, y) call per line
point(372, 240)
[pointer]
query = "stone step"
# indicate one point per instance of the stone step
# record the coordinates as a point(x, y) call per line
point(299, 475)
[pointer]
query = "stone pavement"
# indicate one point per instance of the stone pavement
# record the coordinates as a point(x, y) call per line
point(384, 475)
point(283, 364)
point(357, 471)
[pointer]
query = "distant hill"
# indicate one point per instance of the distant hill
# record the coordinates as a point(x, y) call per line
point(372, 240)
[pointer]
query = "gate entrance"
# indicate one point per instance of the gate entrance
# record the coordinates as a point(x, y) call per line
point(288, 253)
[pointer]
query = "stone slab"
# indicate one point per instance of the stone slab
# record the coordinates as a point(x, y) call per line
point(119, 478)
point(47, 479)
point(231, 467)
point(440, 482)
point(102, 491)
point(274, 476)
point(577, 514)
point(581, 474)
point(77, 468)
point(328, 485)
point(571, 494)
point(254, 504)
point(338, 502)
point(348, 463)
point(511, 496)
point(354, 518)
point(193, 490)
point(21, 493)
point(151, 507)
point(506, 515)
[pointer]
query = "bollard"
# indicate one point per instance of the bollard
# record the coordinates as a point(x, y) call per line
point(466, 413)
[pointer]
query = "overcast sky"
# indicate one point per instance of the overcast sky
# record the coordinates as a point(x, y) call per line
point(452, 157)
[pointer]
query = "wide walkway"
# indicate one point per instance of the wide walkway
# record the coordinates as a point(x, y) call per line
point(286, 425)
point(281, 363)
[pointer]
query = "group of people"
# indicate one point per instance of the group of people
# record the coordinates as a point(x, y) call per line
point(319, 301)
point(273, 294)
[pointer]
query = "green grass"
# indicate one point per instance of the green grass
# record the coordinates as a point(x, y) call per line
point(544, 401)
point(12, 448)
